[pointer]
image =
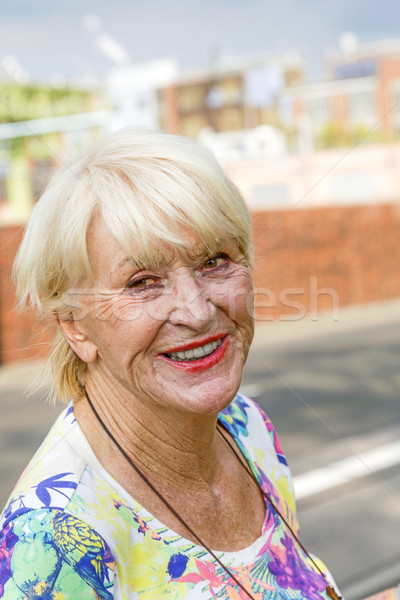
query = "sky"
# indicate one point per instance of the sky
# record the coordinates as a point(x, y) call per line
point(80, 40)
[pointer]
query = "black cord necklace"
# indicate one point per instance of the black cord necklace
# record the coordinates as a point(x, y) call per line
point(329, 590)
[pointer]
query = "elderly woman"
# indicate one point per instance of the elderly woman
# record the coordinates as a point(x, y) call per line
point(158, 479)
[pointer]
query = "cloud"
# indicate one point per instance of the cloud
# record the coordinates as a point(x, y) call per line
point(112, 49)
point(14, 70)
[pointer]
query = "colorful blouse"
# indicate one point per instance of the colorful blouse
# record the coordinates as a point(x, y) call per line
point(70, 531)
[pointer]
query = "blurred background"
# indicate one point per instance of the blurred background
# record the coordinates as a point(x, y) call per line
point(300, 102)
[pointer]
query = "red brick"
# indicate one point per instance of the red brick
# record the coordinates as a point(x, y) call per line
point(354, 251)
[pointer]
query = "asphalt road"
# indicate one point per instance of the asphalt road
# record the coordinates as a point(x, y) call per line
point(333, 395)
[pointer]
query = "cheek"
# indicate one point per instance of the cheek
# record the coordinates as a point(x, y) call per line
point(235, 296)
point(116, 308)
point(120, 311)
point(117, 330)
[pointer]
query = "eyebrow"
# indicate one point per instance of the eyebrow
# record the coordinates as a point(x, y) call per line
point(162, 259)
point(127, 261)
point(142, 263)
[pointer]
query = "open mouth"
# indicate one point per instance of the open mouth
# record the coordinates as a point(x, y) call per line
point(194, 353)
point(194, 357)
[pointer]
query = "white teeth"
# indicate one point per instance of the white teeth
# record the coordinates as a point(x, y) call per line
point(208, 348)
point(198, 352)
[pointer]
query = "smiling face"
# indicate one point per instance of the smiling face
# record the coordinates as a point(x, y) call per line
point(175, 336)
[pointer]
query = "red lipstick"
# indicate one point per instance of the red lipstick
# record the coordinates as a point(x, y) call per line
point(198, 364)
point(196, 343)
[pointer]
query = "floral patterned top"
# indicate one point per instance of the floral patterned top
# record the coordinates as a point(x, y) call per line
point(70, 531)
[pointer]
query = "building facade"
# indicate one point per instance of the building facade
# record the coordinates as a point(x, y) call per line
point(233, 95)
point(358, 102)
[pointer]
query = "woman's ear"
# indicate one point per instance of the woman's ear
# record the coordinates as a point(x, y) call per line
point(78, 340)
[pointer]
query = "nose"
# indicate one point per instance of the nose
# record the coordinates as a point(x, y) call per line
point(191, 302)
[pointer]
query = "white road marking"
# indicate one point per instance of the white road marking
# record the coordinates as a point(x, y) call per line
point(343, 471)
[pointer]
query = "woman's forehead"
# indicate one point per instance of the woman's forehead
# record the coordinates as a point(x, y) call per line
point(107, 253)
point(162, 254)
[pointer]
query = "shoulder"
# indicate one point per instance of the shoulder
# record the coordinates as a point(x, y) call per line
point(245, 418)
point(258, 440)
point(50, 553)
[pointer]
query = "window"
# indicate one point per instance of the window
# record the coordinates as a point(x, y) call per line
point(191, 98)
point(362, 108)
point(319, 111)
point(363, 68)
point(229, 118)
point(191, 125)
point(232, 92)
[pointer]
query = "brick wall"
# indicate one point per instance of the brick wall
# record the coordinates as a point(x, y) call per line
point(21, 336)
point(317, 258)
point(305, 261)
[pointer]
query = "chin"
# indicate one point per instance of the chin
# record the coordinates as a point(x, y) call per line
point(199, 391)
point(211, 399)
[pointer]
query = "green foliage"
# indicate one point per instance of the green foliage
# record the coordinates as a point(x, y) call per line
point(333, 135)
point(18, 103)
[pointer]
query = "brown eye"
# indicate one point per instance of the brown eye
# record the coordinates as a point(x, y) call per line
point(142, 283)
point(215, 261)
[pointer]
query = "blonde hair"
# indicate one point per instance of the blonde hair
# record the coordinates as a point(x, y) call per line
point(147, 187)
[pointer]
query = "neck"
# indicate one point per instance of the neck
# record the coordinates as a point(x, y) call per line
point(177, 448)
